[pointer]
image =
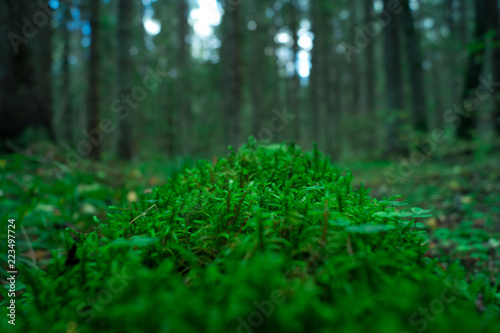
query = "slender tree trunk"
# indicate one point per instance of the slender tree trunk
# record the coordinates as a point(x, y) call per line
point(125, 72)
point(355, 79)
point(464, 31)
point(45, 73)
point(449, 13)
point(475, 64)
point(170, 119)
point(396, 143)
point(334, 132)
point(93, 102)
point(294, 82)
point(331, 80)
point(369, 127)
point(370, 62)
point(412, 43)
point(67, 110)
point(436, 90)
point(257, 62)
point(187, 133)
point(495, 60)
point(233, 77)
point(314, 78)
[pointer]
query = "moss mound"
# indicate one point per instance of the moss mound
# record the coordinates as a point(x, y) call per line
point(268, 239)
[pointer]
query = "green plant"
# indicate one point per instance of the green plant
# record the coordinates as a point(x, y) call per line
point(269, 239)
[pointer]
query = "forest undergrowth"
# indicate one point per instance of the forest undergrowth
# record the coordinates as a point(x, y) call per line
point(268, 238)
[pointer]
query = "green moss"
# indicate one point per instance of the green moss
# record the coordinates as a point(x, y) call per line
point(268, 239)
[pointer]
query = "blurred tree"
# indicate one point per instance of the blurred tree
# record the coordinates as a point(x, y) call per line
point(412, 44)
point(486, 21)
point(94, 93)
point(395, 140)
point(355, 78)
point(26, 97)
point(43, 56)
point(187, 134)
point(315, 95)
point(293, 82)
point(370, 61)
point(126, 69)
point(495, 59)
point(257, 62)
point(232, 60)
point(67, 110)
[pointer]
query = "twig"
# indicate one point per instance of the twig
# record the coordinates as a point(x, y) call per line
point(143, 213)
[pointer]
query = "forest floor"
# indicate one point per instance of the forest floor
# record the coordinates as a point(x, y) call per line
point(463, 194)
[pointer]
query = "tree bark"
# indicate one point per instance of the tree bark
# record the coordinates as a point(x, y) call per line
point(314, 77)
point(67, 110)
point(370, 62)
point(294, 81)
point(23, 101)
point(125, 71)
point(474, 70)
point(495, 61)
point(396, 143)
point(185, 117)
point(412, 43)
point(355, 79)
point(233, 77)
point(93, 103)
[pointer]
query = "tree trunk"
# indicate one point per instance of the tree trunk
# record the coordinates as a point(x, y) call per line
point(257, 75)
point(233, 77)
point(464, 31)
point(355, 78)
point(294, 82)
point(23, 100)
point(44, 69)
point(370, 62)
point(475, 64)
point(495, 60)
point(328, 82)
point(187, 133)
point(370, 127)
point(67, 110)
point(436, 91)
point(314, 78)
point(396, 143)
point(93, 103)
point(125, 71)
point(412, 43)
